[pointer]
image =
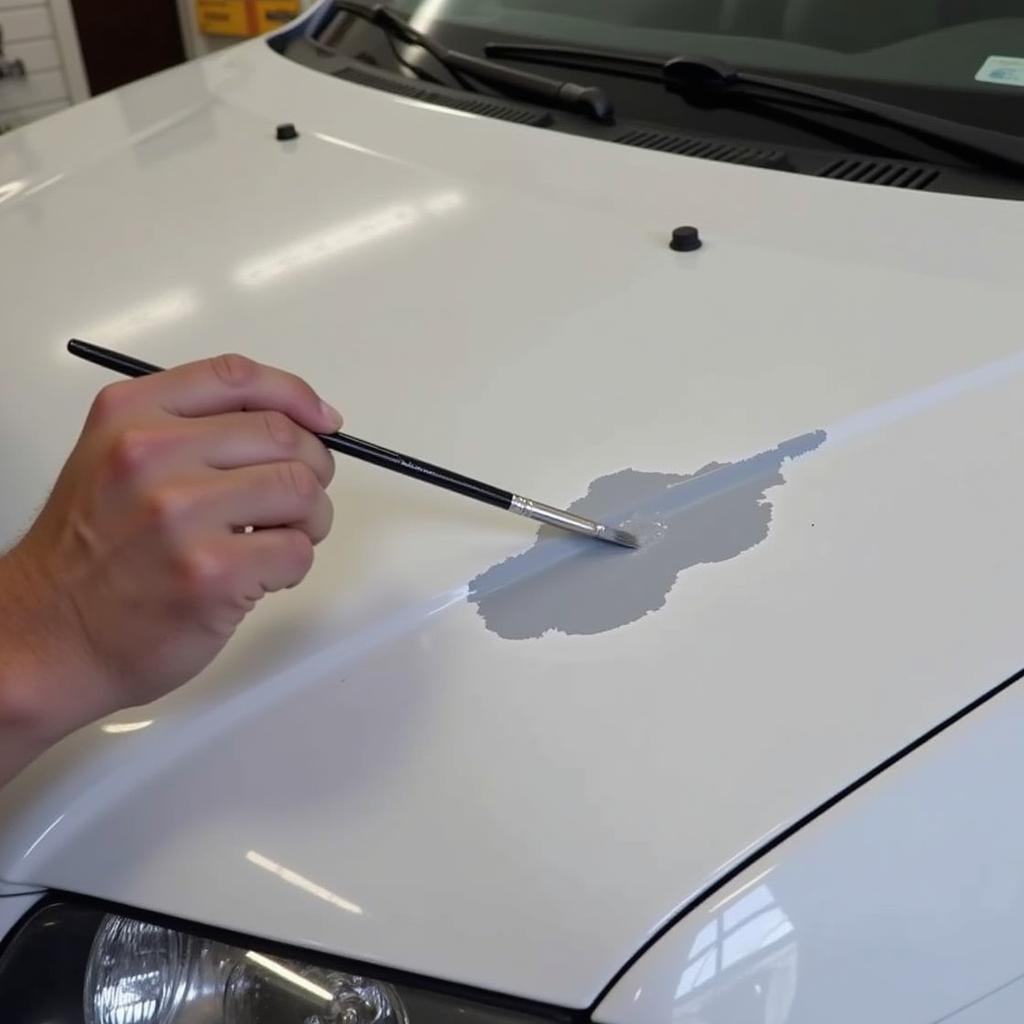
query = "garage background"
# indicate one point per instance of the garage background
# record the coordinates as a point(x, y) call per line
point(57, 52)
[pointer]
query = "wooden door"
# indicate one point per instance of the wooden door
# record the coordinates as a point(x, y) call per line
point(123, 40)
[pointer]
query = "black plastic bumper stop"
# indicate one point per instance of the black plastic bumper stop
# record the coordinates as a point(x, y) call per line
point(685, 239)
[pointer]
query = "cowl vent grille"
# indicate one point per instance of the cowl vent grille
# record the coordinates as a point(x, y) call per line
point(881, 172)
point(485, 106)
point(706, 149)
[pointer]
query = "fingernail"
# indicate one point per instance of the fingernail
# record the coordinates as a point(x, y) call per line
point(331, 414)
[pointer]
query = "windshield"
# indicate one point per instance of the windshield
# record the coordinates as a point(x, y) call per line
point(937, 42)
point(962, 60)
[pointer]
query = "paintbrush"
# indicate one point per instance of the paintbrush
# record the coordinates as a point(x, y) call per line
point(398, 463)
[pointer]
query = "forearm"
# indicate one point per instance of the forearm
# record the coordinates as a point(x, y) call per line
point(34, 668)
point(142, 564)
point(22, 733)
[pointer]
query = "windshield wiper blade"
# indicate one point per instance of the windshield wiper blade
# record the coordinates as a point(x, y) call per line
point(647, 68)
point(710, 79)
point(581, 99)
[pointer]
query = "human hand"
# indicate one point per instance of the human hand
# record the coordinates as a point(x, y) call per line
point(138, 570)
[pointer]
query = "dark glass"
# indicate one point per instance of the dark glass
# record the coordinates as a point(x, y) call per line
point(919, 55)
point(43, 974)
point(42, 970)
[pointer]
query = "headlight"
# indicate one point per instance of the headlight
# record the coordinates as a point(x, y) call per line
point(141, 973)
point(74, 964)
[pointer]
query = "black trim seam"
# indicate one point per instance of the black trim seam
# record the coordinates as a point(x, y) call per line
point(286, 951)
point(795, 827)
point(485, 997)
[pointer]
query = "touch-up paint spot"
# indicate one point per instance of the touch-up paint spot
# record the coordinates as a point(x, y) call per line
point(578, 587)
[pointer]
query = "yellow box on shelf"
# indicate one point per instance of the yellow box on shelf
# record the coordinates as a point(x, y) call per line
point(271, 14)
point(225, 17)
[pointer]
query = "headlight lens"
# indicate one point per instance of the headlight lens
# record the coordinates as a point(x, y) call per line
point(141, 973)
point(136, 973)
point(71, 964)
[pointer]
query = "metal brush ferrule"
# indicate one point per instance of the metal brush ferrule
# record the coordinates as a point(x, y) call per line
point(519, 505)
point(555, 517)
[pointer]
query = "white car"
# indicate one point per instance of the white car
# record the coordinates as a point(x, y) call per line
point(765, 769)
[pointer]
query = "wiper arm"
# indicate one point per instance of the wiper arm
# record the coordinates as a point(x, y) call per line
point(684, 74)
point(580, 99)
point(708, 78)
point(647, 68)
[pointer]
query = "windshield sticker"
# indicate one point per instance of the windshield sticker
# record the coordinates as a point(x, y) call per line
point(575, 586)
point(1002, 71)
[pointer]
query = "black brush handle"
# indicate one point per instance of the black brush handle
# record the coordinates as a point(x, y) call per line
point(408, 466)
point(345, 443)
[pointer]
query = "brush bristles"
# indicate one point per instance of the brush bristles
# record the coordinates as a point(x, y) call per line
point(627, 540)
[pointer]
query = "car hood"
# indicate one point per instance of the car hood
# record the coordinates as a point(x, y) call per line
point(456, 750)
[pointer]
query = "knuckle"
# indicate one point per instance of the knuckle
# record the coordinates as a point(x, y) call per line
point(166, 506)
point(282, 431)
point(131, 450)
point(110, 400)
point(233, 370)
point(299, 479)
point(204, 573)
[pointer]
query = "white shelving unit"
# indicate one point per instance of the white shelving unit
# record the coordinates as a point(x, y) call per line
point(41, 33)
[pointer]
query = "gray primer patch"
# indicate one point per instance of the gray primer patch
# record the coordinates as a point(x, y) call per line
point(579, 586)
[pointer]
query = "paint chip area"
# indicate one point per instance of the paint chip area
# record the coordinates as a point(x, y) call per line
point(578, 586)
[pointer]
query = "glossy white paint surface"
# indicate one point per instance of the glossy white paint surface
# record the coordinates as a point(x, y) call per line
point(367, 770)
point(998, 1007)
point(902, 904)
